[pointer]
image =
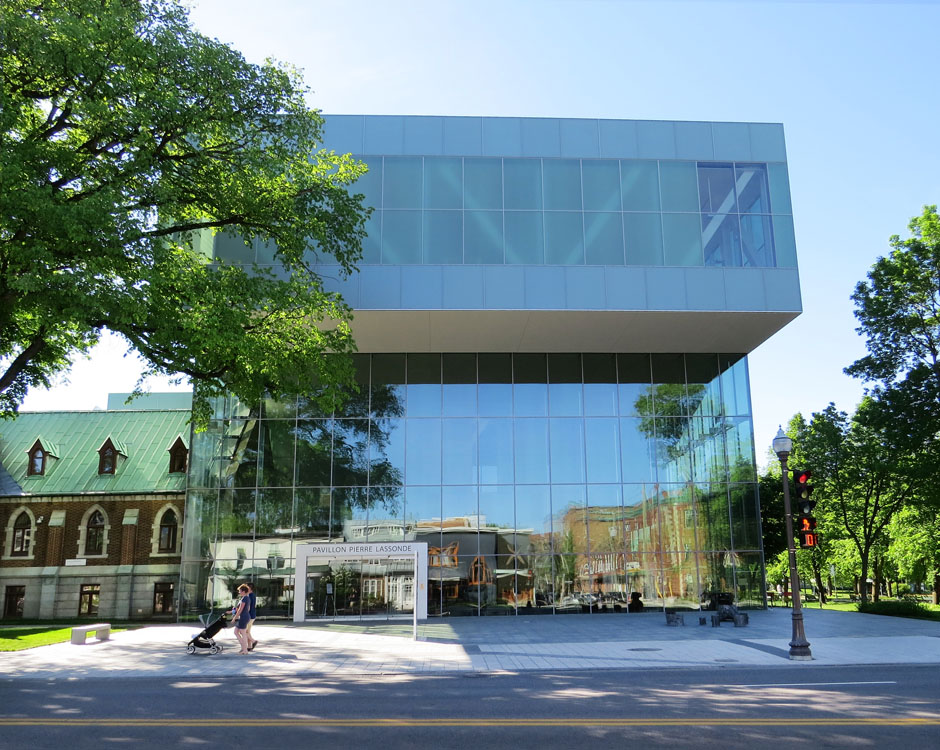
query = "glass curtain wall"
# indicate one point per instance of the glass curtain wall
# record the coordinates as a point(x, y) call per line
point(542, 483)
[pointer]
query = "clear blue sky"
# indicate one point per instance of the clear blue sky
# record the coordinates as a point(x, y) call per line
point(854, 83)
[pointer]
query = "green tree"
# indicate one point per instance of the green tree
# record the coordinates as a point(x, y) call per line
point(915, 546)
point(864, 479)
point(898, 309)
point(126, 140)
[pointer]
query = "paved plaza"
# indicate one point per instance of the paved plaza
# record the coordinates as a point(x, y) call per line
point(491, 644)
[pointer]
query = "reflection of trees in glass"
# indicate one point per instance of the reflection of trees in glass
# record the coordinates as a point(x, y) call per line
point(665, 400)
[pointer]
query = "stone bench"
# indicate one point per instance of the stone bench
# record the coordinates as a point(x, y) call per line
point(102, 631)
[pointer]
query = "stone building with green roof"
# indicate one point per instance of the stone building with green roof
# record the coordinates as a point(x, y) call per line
point(91, 509)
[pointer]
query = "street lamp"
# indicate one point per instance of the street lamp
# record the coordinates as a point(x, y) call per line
point(799, 646)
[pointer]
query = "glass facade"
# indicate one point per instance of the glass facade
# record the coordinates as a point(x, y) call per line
point(542, 483)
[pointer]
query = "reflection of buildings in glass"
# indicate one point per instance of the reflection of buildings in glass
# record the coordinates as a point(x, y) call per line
point(499, 249)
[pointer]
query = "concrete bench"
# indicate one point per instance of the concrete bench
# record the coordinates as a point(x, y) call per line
point(102, 631)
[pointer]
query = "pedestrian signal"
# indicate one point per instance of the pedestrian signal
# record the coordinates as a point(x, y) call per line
point(808, 535)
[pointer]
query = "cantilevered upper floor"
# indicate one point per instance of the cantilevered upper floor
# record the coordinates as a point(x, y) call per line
point(544, 234)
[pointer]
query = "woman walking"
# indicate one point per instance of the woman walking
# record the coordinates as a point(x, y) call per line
point(241, 618)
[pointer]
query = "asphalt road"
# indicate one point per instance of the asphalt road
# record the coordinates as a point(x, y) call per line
point(725, 708)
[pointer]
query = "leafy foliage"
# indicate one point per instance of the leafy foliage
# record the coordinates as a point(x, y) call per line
point(126, 137)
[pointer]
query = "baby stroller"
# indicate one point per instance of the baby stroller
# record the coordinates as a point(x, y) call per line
point(204, 640)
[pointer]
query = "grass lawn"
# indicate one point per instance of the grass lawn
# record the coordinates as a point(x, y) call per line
point(932, 613)
point(18, 639)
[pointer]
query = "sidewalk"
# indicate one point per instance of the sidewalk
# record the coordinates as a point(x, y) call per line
point(600, 641)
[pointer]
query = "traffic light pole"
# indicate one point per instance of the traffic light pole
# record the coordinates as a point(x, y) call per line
point(799, 646)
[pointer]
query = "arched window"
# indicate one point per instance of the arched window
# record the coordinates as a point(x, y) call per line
point(94, 534)
point(168, 527)
point(22, 531)
point(37, 461)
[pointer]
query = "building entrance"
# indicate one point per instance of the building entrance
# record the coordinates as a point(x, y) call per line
point(365, 581)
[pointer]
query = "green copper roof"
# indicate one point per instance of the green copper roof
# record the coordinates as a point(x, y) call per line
point(144, 437)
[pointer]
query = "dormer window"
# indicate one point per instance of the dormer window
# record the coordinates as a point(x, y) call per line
point(107, 462)
point(108, 455)
point(38, 457)
point(37, 461)
point(179, 455)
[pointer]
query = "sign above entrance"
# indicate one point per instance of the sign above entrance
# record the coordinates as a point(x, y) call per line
point(377, 549)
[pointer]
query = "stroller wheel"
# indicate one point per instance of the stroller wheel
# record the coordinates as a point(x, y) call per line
point(216, 649)
point(190, 649)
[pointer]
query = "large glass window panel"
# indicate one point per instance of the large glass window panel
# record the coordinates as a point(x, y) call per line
point(423, 451)
point(275, 512)
point(424, 400)
point(370, 184)
point(483, 183)
point(533, 519)
point(276, 453)
point(640, 185)
point(351, 452)
point(601, 180)
point(757, 243)
point(714, 516)
point(739, 442)
point(569, 597)
point(460, 400)
point(459, 513)
point(749, 579)
point(349, 514)
point(678, 186)
point(636, 446)
point(312, 513)
point(606, 520)
point(779, 189)
point(670, 393)
point(784, 242)
point(387, 452)
point(603, 450)
point(562, 179)
point(496, 451)
point(240, 453)
point(314, 452)
point(643, 239)
point(680, 573)
point(423, 517)
point(603, 239)
point(745, 516)
point(498, 511)
point(704, 391)
point(522, 180)
point(530, 399)
point(709, 462)
point(372, 242)
point(721, 239)
point(495, 399)
point(483, 237)
point(401, 237)
point(682, 240)
point(752, 188)
point(566, 438)
point(565, 399)
point(443, 237)
point(531, 449)
point(386, 513)
point(569, 520)
point(402, 182)
point(564, 238)
point(673, 462)
point(600, 385)
point(640, 518)
point(677, 517)
point(718, 579)
point(459, 451)
point(443, 182)
point(635, 390)
point(525, 243)
point(716, 188)
point(285, 408)
point(237, 516)
point(734, 384)
point(357, 404)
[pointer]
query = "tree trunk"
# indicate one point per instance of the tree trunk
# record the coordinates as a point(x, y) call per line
point(936, 588)
point(863, 580)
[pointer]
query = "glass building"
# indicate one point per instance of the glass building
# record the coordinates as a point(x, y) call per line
point(553, 318)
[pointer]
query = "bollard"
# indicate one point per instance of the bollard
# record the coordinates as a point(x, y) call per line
point(701, 620)
point(716, 621)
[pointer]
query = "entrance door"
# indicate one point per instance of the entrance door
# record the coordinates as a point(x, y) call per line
point(13, 601)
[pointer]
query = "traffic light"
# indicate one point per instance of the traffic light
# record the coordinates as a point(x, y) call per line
point(802, 490)
point(807, 528)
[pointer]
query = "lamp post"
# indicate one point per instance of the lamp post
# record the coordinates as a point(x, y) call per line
point(799, 646)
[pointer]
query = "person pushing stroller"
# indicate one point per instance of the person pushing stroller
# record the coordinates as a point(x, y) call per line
point(241, 617)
